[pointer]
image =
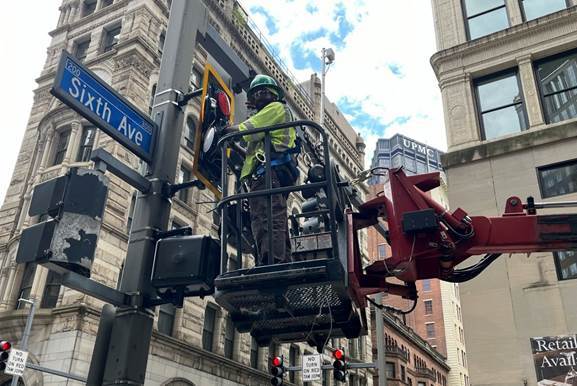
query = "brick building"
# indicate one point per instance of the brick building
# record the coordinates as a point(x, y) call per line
point(409, 359)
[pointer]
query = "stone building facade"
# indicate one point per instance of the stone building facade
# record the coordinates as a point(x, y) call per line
point(507, 71)
point(122, 41)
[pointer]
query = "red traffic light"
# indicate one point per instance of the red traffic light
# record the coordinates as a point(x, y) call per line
point(338, 354)
point(223, 103)
point(277, 361)
point(5, 346)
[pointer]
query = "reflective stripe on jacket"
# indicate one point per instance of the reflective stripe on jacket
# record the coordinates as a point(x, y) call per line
point(282, 139)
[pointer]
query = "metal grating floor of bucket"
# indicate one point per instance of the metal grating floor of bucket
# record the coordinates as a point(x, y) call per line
point(313, 297)
point(279, 324)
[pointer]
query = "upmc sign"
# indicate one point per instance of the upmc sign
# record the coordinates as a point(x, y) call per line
point(417, 147)
point(92, 98)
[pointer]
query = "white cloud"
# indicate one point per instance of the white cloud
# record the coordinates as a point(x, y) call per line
point(384, 33)
point(24, 27)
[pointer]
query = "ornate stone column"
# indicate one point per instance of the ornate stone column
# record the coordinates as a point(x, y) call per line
point(530, 92)
point(460, 115)
point(72, 147)
point(47, 148)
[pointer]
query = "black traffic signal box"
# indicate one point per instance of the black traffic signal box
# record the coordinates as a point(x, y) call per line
point(186, 264)
point(73, 205)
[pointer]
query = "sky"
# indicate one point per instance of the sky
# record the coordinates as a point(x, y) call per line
point(381, 78)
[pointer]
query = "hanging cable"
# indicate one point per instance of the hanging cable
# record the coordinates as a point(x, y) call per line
point(465, 274)
point(393, 309)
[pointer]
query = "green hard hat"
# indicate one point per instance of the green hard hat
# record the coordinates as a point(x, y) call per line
point(261, 81)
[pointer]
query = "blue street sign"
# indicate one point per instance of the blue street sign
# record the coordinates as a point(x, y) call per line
point(96, 101)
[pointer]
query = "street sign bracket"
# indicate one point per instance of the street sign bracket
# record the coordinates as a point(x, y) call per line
point(105, 161)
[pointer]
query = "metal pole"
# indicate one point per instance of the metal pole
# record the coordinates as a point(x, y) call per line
point(127, 356)
point(56, 372)
point(380, 326)
point(323, 75)
point(26, 335)
point(96, 371)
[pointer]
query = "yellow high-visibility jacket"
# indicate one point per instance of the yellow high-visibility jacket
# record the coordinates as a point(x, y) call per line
point(282, 139)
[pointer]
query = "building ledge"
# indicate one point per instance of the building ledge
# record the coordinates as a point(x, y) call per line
point(520, 141)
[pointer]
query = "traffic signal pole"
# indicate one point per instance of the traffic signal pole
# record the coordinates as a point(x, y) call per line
point(129, 343)
point(380, 326)
point(26, 334)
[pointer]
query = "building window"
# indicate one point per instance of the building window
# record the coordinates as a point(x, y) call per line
point(184, 175)
point(254, 354)
point(131, 212)
point(61, 147)
point(161, 39)
point(106, 3)
point(557, 79)
point(229, 335)
point(195, 78)
point(403, 373)
point(500, 105)
point(430, 330)
point(353, 345)
point(190, 132)
point(86, 144)
point(382, 251)
point(209, 327)
point(166, 315)
point(566, 264)
point(293, 357)
point(88, 7)
point(81, 49)
point(152, 95)
point(428, 307)
point(532, 9)
point(26, 284)
point(110, 39)
point(51, 290)
point(558, 179)
point(485, 17)
point(426, 285)
point(390, 370)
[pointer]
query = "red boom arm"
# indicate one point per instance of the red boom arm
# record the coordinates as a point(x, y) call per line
point(428, 241)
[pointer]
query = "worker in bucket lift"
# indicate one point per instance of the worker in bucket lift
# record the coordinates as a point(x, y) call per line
point(266, 97)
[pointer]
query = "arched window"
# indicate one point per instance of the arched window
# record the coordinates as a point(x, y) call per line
point(178, 382)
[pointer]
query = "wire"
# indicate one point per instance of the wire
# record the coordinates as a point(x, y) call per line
point(466, 274)
point(393, 309)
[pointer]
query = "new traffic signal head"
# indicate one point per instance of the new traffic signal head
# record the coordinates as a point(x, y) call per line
point(339, 365)
point(5, 347)
point(277, 371)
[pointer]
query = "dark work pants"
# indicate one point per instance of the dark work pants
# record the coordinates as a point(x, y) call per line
point(281, 248)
